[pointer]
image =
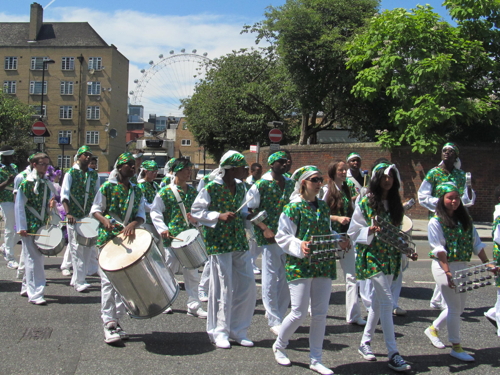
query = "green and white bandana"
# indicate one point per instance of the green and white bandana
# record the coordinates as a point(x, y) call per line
point(280, 155)
point(387, 169)
point(445, 188)
point(300, 175)
point(353, 155)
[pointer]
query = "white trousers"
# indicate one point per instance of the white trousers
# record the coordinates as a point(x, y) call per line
point(112, 307)
point(93, 265)
point(352, 308)
point(381, 308)
point(67, 262)
point(231, 297)
point(396, 286)
point(80, 257)
point(34, 274)
point(317, 291)
point(191, 279)
point(255, 251)
point(437, 297)
point(455, 302)
point(10, 235)
point(366, 292)
point(494, 312)
point(205, 278)
point(275, 292)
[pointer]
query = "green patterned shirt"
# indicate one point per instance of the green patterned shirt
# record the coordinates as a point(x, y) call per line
point(309, 223)
point(459, 243)
point(35, 201)
point(436, 176)
point(377, 256)
point(272, 200)
point(149, 190)
point(7, 195)
point(496, 248)
point(79, 180)
point(172, 216)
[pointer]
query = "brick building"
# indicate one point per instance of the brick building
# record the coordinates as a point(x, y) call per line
point(84, 88)
point(186, 145)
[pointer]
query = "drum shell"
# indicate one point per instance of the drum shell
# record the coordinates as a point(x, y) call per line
point(192, 255)
point(147, 287)
point(81, 239)
point(56, 248)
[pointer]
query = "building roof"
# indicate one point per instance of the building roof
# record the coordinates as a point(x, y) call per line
point(52, 34)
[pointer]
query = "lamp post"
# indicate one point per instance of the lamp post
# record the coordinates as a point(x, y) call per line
point(44, 66)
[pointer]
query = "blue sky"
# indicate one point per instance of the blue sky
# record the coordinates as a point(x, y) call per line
point(144, 29)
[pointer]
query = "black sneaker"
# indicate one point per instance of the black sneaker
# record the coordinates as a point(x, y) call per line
point(397, 363)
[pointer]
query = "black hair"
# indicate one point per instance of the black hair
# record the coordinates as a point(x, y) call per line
point(334, 197)
point(459, 215)
point(396, 209)
point(254, 166)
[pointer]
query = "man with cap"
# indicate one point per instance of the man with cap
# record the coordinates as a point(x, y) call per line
point(271, 193)
point(169, 221)
point(119, 207)
point(8, 172)
point(354, 174)
point(232, 289)
point(79, 187)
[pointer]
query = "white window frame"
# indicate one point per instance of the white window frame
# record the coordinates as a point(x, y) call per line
point(37, 111)
point(67, 161)
point(67, 87)
point(93, 112)
point(10, 63)
point(10, 87)
point(93, 88)
point(66, 112)
point(37, 62)
point(67, 63)
point(35, 84)
point(65, 133)
point(95, 63)
point(185, 142)
point(92, 138)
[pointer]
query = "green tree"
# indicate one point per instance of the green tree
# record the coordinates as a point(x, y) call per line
point(310, 37)
point(437, 80)
point(15, 125)
point(239, 95)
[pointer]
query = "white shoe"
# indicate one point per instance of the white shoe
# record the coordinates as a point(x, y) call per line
point(276, 329)
point(399, 311)
point(110, 333)
point(463, 356)
point(168, 311)
point(434, 339)
point(66, 272)
point(198, 313)
point(39, 302)
point(81, 288)
point(223, 344)
point(123, 335)
point(319, 368)
point(256, 271)
point(360, 322)
point(281, 357)
point(202, 296)
point(245, 342)
point(13, 265)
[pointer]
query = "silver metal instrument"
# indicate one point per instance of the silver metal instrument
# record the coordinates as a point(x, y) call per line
point(327, 247)
point(472, 278)
point(394, 237)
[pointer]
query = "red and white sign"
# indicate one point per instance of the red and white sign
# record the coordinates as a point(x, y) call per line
point(275, 135)
point(39, 128)
point(254, 148)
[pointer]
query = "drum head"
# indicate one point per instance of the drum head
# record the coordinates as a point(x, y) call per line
point(122, 252)
point(51, 236)
point(88, 227)
point(407, 224)
point(187, 237)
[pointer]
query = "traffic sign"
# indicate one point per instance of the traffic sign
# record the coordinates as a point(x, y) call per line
point(39, 128)
point(64, 140)
point(39, 139)
point(275, 135)
point(274, 147)
point(254, 148)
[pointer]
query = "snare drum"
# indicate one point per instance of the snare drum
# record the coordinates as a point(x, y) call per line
point(261, 216)
point(189, 249)
point(87, 230)
point(139, 275)
point(51, 240)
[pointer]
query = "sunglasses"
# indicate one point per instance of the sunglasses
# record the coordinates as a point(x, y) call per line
point(315, 179)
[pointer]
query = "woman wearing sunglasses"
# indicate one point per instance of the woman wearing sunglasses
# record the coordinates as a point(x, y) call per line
point(303, 217)
point(378, 261)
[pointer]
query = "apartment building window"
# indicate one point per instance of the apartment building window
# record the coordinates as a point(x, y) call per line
point(65, 134)
point(38, 111)
point(92, 138)
point(68, 63)
point(10, 63)
point(36, 87)
point(63, 162)
point(37, 63)
point(184, 126)
point(95, 63)
point(9, 87)
point(67, 87)
point(185, 142)
point(93, 88)
point(66, 112)
point(93, 112)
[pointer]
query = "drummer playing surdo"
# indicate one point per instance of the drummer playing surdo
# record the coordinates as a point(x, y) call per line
point(232, 293)
point(149, 187)
point(33, 202)
point(78, 191)
point(121, 200)
point(271, 193)
point(169, 222)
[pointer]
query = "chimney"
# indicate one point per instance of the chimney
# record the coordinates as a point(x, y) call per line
point(36, 20)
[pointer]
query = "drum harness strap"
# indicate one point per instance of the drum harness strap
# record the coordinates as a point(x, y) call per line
point(87, 188)
point(182, 207)
point(34, 212)
point(128, 213)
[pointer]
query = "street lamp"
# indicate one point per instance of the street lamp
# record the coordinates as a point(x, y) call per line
point(44, 66)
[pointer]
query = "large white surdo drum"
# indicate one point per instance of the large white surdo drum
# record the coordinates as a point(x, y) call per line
point(189, 248)
point(50, 240)
point(138, 273)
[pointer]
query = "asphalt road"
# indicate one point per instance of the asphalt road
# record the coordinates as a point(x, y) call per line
point(66, 336)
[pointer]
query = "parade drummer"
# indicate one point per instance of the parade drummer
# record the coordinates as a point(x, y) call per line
point(168, 176)
point(232, 290)
point(149, 187)
point(169, 221)
point(34, 201)
point(79, 188)
point(119, 207)
point(271, 193)
point(453, 239)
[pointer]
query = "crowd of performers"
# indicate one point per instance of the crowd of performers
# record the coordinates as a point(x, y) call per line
point(298, 206)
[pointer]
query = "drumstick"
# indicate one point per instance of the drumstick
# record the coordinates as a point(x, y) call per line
point(76, 222)
point(175, 238)
point(243, 205)
point(35, 234)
